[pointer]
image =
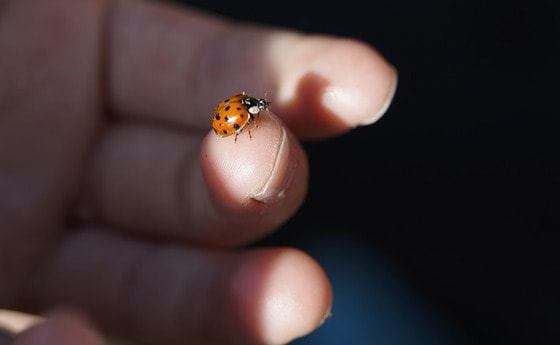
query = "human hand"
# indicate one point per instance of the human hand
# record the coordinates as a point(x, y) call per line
point(117, 200)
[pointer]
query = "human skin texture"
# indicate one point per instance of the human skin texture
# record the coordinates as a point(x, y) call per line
point(117, 199)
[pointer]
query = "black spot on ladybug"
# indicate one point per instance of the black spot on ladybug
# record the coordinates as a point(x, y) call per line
point(241, 115)
point(227, 107)
point(236, 126)
point(226, 119)
point(223, 130)
point(238, 108)
point(217, 117)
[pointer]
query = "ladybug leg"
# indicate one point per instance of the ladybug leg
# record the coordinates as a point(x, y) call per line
point(254, 119)
point(249, 124)
point(235, 138)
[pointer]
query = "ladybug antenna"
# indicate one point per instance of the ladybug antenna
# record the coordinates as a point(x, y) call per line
point(265, 100)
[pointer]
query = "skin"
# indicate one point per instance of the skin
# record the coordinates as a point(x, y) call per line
point(117, 199)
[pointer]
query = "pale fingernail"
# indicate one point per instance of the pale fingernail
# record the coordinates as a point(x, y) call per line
point(360, 107)
point(388, 100)
point(280, 173)
point(326, 316)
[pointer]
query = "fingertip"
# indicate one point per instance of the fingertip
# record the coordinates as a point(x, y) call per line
point(241, 167)
point(284, 295)
point(266, 167)
point(330, 85)
point(362, 86)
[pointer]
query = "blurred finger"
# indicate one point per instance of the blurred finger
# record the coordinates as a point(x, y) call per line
point(175, 66)
point(169, 294)
point(49, 95)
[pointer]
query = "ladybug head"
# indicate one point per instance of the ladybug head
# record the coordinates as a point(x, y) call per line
point(254, 105)
point(263, 104)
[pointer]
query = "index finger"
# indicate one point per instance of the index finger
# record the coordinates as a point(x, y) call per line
point(175, 66)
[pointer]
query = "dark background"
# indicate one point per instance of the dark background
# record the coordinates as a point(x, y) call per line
point(450, 202)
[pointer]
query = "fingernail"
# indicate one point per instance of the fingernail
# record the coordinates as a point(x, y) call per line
point(388, 100)
point(365, 105)
point(280, 173)
point(328, 315)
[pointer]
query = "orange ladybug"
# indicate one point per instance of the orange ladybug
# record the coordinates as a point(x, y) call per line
point(237, 112)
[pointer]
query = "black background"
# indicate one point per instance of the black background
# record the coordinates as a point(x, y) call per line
point(459, 181)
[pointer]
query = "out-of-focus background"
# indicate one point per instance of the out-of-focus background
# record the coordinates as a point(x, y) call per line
point(440, 223)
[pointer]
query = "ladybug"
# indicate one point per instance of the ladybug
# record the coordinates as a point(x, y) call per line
point(237, 112)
